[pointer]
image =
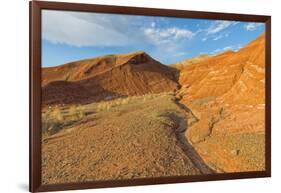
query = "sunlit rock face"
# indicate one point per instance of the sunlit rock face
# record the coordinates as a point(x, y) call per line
point(106, 77)
point(227, 94)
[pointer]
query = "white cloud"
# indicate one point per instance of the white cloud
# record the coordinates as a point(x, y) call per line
point(82, 29)
point(220, 36)
point(93, 29)
point(239, 46)
point(167, 42)
point(203, 53)
point(216, 30)
point(232, 47)
point(180, 54)
point(216, 51)
point(228, 48)
point(252, 26)
point(218, 26)
point(222, 49)
point(166, 35)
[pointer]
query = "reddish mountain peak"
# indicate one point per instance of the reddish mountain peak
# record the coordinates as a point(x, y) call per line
point(232, 77)
point(108, 76)
point(87, 68)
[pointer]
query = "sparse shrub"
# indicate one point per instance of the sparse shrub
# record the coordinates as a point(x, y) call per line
point(50, 126)
point(125, 101)
point(81, 114)
point(57, 114)
point(58, 118)
point(100, 106)
point(108, 106)
point(72, 110)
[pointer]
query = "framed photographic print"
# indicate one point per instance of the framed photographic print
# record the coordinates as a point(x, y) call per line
point(123, 96)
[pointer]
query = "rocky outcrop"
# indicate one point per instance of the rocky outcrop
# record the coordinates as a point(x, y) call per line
point(230, 77)
point(226, 92)
point(105, 78)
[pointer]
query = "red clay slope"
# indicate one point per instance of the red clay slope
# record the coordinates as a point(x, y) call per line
point(226, 93)
point(104, 78)
point(230, 77)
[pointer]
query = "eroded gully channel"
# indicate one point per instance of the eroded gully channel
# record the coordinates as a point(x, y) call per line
point(185, 144)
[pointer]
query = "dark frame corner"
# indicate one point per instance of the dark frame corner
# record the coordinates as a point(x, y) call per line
point(35, 8)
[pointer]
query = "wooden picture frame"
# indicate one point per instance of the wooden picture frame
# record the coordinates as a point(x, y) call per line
point(35, 93)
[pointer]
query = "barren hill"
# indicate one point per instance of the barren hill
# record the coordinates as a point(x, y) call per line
point(226, 93)
point(106, 77)
point(233, 77)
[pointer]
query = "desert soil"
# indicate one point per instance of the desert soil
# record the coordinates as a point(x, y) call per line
point(134, 137)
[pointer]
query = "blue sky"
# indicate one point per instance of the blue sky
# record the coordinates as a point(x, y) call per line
point(68, 36)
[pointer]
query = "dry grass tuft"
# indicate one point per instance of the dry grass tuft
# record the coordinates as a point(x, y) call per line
point(56, 118)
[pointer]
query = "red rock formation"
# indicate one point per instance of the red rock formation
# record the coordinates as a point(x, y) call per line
point(230, 77)
point(226, 93)
point(105, 78)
